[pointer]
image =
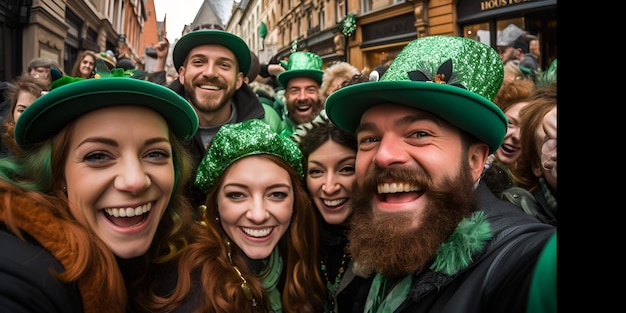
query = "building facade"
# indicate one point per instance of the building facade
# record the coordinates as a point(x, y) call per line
point(61, 29)
point(376, 30)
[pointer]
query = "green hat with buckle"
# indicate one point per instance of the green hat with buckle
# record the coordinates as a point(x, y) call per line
point(212, 37)
point(301, 64)
point(455, 78)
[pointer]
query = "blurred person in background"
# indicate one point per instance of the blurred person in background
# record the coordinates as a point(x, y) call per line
point(85, 65)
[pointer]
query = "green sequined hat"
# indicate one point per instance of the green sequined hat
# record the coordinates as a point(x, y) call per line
point(301, 64)
point(239, 140)
point(455, 78)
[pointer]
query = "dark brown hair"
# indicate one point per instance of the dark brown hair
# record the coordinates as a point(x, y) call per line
point(531, 117)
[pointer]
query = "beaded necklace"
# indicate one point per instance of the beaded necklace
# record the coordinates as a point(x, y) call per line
point(332, 287)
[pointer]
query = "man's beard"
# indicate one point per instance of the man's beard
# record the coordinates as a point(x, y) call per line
point(389, 243)
point(209, 105)
point(299, 119)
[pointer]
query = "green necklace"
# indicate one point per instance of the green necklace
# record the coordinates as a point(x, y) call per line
point(332, 287)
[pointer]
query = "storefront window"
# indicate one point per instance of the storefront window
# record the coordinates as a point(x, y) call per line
point(478, 32)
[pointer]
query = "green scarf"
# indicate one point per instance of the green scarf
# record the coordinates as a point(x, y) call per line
point(270, 278)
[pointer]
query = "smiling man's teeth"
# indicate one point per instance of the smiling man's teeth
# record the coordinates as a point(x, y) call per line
point(129, 212)
point(209, 87)
point(257, 232)
point(396, 187)
point(334, 202)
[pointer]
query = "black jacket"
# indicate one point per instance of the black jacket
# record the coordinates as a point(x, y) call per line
point(25, 274)
point(497, 280)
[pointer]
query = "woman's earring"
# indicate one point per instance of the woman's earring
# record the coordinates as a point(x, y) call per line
point(202, 215)
point(64, 190)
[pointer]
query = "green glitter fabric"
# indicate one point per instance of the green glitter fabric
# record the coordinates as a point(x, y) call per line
point(236, 141)
point(476, 66)
point(452, 77)
point(301, 64)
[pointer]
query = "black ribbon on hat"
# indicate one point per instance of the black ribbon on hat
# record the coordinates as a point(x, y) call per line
point(444, 73)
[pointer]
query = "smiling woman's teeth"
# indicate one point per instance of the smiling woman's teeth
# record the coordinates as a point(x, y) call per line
point(129, 212)
point(257, 232)
point(334, 202)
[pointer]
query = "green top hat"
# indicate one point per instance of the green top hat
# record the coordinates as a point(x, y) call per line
point(239, 140)
point(301, 64)
point(47, 115)
point(212, 36)
point(455, 78)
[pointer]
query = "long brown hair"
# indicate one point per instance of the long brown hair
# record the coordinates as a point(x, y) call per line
point(76, 68)
point(206, 259)
point(24, 83)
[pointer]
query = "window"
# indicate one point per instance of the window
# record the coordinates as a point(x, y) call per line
point(366, 5)
point(340, 10)
point(322, 16)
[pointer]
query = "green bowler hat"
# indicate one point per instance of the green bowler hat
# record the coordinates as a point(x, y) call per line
point(47, 115)
point(301, 64)
point(212, 37)
point(452, 77)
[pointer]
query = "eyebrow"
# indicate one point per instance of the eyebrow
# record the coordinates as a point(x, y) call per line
point(405, 120)
point(113, 143)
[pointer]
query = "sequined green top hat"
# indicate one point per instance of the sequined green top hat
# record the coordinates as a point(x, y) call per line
point(301, 64)
point(452, 77)
point(239, 140)
point(212, 36)
point(51, 112)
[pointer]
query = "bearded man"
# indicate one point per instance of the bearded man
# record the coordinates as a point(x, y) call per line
point(211, 66)
point(301, 81)
point(425, 234)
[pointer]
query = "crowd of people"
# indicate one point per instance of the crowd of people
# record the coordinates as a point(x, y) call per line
point(291, 186)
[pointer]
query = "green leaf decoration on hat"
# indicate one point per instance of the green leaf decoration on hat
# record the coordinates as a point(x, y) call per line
point(102, 70)
point(443, 75)
point(58, 79)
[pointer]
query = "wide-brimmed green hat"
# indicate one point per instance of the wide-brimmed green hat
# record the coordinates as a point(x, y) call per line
point(301, 64)
point(212, 37)
point(452, 77)
point(47, 115)
point(239, 140)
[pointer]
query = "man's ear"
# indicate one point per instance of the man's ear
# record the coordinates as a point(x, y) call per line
point(240, 78)
point(181, 75)
point(477, 157)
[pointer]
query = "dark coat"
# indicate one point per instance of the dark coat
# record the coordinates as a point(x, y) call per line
point(497, 280)
point(26, 281)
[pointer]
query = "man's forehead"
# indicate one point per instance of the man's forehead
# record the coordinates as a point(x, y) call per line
point(302, 82)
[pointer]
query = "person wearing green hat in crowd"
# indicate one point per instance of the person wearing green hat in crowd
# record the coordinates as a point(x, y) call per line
point(94, 207)
point(427, 235)
point(301, 81)
point(211, 66)
point(261, 231)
